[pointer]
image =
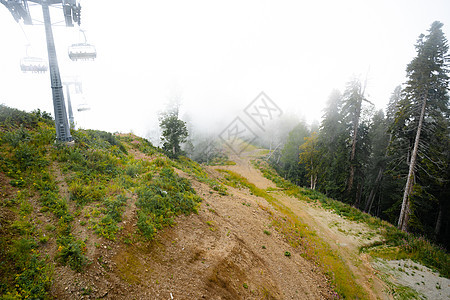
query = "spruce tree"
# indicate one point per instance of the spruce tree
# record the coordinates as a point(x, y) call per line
point(333, 149)
point(174, 133)
point(426, 99)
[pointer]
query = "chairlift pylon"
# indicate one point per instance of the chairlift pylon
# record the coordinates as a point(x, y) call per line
point(82, 51)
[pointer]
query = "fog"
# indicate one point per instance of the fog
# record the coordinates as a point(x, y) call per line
point(216, 57)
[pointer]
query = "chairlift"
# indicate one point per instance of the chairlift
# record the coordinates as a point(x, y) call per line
point(82, 51)
point(83, 107)
point(33, 64)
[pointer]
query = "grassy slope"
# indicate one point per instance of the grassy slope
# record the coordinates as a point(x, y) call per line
point(396, 244)
point(102, 174)
point(38, 219)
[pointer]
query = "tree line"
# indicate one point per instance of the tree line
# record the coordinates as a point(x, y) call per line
point(394, 164)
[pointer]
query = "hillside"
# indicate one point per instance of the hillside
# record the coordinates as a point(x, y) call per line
point(112, 217)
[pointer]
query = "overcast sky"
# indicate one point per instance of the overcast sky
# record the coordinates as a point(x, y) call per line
point(218, 56)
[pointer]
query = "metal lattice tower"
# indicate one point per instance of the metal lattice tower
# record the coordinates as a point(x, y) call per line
point(19, 10)
point(61, 123)
point(67, 82)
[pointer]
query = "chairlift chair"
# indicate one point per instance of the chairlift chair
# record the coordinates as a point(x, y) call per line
point(82, 51)
point(83, 107)
point(33, 64)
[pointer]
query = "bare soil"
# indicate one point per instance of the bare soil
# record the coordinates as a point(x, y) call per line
point(222, 252)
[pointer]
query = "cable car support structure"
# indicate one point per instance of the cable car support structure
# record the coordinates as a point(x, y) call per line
point(20, 10)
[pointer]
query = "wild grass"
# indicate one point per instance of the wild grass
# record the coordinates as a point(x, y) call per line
point(160, 200)
point(191, 167)
point(395, 245)
point(25, 144)
point(99, 172)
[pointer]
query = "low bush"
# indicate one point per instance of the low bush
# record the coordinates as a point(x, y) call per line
point(167, 196)
point(72, 252)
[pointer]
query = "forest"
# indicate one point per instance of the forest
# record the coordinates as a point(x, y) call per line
point(392, 163)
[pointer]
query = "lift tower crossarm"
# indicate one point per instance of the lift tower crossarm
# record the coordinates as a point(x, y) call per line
point(18, 9)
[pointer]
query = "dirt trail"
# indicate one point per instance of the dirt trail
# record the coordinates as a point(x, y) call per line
point(342, 235)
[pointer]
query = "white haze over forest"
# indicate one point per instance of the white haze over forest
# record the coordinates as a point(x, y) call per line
point(216, 57)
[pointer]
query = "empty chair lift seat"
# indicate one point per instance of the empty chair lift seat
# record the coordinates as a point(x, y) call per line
point(33, 64)
point(82, 51)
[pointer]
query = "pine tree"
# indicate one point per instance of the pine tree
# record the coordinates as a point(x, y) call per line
point(426, 99)
point(333, 149)
point(353, 98)
point(174, 133)
point(381, 138)
point(310, 157)
point(289, 162)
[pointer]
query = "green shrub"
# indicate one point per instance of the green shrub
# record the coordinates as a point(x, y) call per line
point(11, 117)
point(16, 137)
point(115, 207)
point(25, 275)
point(107, 227)
point(134, 169)
point(71, 252)
point(84, 193)
point(167, 196)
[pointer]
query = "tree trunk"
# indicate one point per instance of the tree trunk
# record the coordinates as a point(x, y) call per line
point(372, 191)
point(437, 229)
point(352, 156)
point(358, 195)
point(378, 207)
point(406, 209)
point(372, 194)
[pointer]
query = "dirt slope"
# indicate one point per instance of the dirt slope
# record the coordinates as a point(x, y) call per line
point(342, 235)
point(220, 253)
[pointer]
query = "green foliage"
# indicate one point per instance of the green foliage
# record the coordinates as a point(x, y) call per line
point(90, 163)
point(11, 117)
point(97, 170)
point(107, 227)
point(32, 277)
point(420, 137)
point(289, 164)
point(191, 167)
point(84, 193)
point(133, 169)
point(310, 157)
point(146, 147)
point(72, 252)
point(174, 133)
point(96, 139)
point(167, 196)
point(230, 180)
point(112, 215)
point(115, 206)
point(396, 244)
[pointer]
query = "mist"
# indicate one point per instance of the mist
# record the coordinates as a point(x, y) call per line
point(217, 57)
